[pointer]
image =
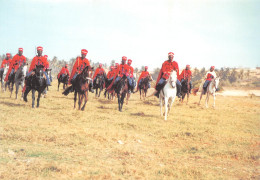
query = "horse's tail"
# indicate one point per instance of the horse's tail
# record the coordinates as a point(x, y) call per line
point(67, 90)
point(194, 91)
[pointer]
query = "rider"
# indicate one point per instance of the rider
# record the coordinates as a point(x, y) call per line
point(110, 74)
point(40, 60)
point(208, 77)
point(80, 64)
point(123, 70)
point(7, 61)
point(143, 75)
point(64, 71)
point(99, 71)
point(16, 62)
point(131, 78)
point(167, 67)
point(186, 74)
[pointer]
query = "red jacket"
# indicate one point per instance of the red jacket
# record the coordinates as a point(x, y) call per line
point(185, 74)
point(131, 71)
point(123, 69)
point(79, 65)
point(5, 61)
point(166, 69)
point(144, 74)
point(110, 74)
point(99, 71)
point(64, 70)
point(16, 62)
point(37, 60)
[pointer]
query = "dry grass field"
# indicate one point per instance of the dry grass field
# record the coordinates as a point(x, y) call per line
point(57, 142)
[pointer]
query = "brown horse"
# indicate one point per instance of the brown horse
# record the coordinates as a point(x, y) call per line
point(185, 89)
point(121, 91)
point(144, 86)
point(80, 87)
point(63, 79)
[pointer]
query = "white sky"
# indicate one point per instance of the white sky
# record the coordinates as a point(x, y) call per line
point(200, 33)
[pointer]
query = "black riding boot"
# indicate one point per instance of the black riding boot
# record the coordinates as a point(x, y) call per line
point(178, 90)
point(158, 89)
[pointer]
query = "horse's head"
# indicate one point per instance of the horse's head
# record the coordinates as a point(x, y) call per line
point(87, 73)
point(173, 79)
point(39, 71)
point(216, 82)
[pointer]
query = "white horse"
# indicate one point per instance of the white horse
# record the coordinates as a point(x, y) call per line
point(211, 90)
point(168, 93)
point(19, 78)
point(3, 75)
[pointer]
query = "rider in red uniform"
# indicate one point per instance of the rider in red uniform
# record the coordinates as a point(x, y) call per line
point(186, 74)
point(209, 76)
point(64, 71)
point(131, 78)
point(16, 62)
point(7, 61)
point(143, 75)
point(167, 67)
point(80, 64)
point(99, 71)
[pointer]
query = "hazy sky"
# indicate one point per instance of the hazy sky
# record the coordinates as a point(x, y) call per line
point(200, 32)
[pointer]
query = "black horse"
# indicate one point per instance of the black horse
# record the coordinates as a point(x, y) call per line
point(80, 87)
point(99, 84)
point(35, 82)
point(121, 91)
point(144, 86)
point(185, 89)
point(63, 79)
point(107, 93)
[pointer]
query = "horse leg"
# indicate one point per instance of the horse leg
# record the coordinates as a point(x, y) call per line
point(38, 99)
point(161, 104)
point(86, 99)
point(119, 102)
point(16, 90)
point(75, 99)
point(188, 95)
point(201, 96)
point(166, 108)
point(58, 85)
point(33, 97)
point(170, 106)
point(27, 90)
point(80, 100)
point(207, 100)
point(122, 100)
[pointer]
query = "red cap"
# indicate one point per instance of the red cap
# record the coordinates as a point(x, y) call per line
point(212, 67)
point(66, 65)
point(146, 67)
point(39, 48)
point(84, 51)
point(100, 65)
point(188, 66)
point(46, 56)
point(20, 49)
point(117, 65)
point(112, 67)
point(8, 54)
point(124, 58)
point(170, 54)
point(129, 61)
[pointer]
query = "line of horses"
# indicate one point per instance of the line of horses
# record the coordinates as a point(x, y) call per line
point(81, 85)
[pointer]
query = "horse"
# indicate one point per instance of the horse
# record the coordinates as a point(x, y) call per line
point(185, 89)
point(110, 94)
point(35, 82)
point(80, 87)
point(144, 86)
point(211, 89)
point(121, 91)
point(168, 93)
point(2, 77)
point(19, 79)
point(63, 79)
point(99, 84)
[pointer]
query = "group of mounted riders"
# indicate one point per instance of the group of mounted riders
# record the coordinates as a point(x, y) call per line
point(111, 79)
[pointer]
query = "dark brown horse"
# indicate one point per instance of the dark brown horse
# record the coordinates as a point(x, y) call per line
point(121, 91)
point(80, 87)
point(63, 79)
point(144, 86)
point(185, 89)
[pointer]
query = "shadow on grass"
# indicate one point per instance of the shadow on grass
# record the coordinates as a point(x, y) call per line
point(11, 104)
point(141, 114)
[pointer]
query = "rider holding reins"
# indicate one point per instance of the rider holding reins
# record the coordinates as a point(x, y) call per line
point(143, 75)
point(186, 74)
point(208, 78)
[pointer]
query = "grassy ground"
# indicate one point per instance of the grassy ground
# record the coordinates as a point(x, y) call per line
point(55, 141)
